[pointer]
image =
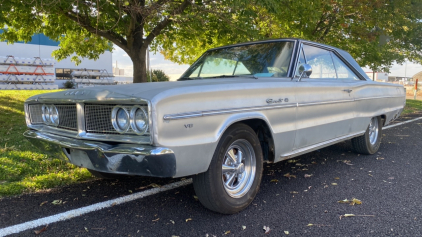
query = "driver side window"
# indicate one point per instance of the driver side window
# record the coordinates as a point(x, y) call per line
point(320, 61)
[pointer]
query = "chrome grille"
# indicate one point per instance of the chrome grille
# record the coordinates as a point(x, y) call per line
point(98, 119)
point(67, 116)
point(35, 113)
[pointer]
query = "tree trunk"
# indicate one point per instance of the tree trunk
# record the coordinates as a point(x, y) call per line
point(139, 66)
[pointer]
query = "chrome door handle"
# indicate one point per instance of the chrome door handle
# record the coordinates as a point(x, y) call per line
point(347, 90)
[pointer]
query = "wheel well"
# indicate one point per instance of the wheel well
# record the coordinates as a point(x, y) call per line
point(265, 137)
point(383, 117)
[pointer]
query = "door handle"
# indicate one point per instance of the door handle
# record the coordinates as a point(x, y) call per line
point(347, 90)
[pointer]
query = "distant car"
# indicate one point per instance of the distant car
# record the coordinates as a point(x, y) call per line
point(234, 109)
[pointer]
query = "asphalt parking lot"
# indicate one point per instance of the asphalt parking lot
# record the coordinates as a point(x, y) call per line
point(297, 198)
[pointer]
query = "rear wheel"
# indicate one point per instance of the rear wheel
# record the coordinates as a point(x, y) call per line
point(232, 180)
point(369, 142)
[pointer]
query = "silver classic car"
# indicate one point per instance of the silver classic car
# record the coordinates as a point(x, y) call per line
point(234, 109)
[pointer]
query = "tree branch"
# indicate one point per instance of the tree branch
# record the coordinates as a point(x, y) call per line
point(160, 26)
point(113, 37)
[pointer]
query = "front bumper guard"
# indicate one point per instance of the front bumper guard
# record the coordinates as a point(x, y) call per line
point(130, 159)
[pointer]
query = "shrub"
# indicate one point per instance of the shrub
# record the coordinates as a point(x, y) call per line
point(69, 84)
point(157, 75)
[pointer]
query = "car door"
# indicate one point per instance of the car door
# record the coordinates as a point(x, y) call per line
point(325, 109)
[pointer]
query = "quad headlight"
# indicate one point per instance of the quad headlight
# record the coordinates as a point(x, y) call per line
point(50, 115)
point(138, 120)
point(125, 117)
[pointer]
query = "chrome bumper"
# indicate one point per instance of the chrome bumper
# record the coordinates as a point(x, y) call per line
point(130, 159)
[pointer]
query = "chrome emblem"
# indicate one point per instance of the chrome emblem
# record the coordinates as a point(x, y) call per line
point(189, 125)
point(273, 101)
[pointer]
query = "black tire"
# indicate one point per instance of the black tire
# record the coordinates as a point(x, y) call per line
point(103, 175)
point(363, 143)
point(212, 187)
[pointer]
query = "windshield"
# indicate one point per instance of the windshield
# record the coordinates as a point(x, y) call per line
point(259, 60)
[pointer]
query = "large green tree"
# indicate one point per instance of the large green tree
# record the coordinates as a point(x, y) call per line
point(376, 32)
point(86, 27)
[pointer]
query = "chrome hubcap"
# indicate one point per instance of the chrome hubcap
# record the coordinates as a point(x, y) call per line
point(373, 131)
point(238, 169)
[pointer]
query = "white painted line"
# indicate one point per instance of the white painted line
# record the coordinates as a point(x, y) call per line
point(84, 210)
point(398, 124)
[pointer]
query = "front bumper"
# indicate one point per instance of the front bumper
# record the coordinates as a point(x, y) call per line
point(130, 159)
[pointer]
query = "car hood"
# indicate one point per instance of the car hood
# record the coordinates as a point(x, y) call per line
point(150, 91)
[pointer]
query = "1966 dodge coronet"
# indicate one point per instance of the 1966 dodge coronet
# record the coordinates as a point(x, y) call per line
point(235, 108)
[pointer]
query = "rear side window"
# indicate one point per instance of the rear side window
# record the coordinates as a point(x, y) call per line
point(343, 71)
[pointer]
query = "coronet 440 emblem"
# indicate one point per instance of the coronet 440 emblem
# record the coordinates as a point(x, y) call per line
point(273, 101)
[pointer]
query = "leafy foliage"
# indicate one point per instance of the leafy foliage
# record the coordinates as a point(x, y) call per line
point(69, 84)
point(157, 75)
point(86, 27)
point(375, 32)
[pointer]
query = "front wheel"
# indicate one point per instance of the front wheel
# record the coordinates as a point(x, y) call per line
point(232, 180)
point(370, 141)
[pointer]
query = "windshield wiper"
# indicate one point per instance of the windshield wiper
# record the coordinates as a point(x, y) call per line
point(225, 76)
point(189, 78)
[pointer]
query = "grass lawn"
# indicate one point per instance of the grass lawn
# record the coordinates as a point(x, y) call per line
point(412, 106)
point(24, 168)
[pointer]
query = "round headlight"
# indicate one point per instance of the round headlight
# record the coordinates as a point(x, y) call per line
point(54, 115)
point(45, 110)
point(139, 120)
point(120, 119)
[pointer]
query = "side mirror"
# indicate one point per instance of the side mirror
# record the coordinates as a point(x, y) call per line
point(305, 69)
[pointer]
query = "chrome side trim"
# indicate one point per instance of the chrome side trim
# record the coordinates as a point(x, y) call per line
point(324, 102)
point(319, 145)
point(257, 108)
point(225, 111)
point(378, 97)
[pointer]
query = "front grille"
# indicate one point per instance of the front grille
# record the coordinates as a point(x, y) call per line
point(35, 114)
point(98, 119)
point(67, 117)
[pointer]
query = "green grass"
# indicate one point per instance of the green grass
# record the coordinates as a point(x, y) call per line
point(412, 106)
point(24, 168)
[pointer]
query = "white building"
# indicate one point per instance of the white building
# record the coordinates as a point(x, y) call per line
point(379, 76)
point(41, 46)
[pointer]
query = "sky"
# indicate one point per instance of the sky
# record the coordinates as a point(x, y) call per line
point(174, 70)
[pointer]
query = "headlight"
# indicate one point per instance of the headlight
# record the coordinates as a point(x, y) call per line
point(45, 109)
point(138, 120)
point(120, 119)
point(50, 115)
point(54, 115)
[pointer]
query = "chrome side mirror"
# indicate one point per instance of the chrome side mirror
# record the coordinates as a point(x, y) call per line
point(304, 69)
